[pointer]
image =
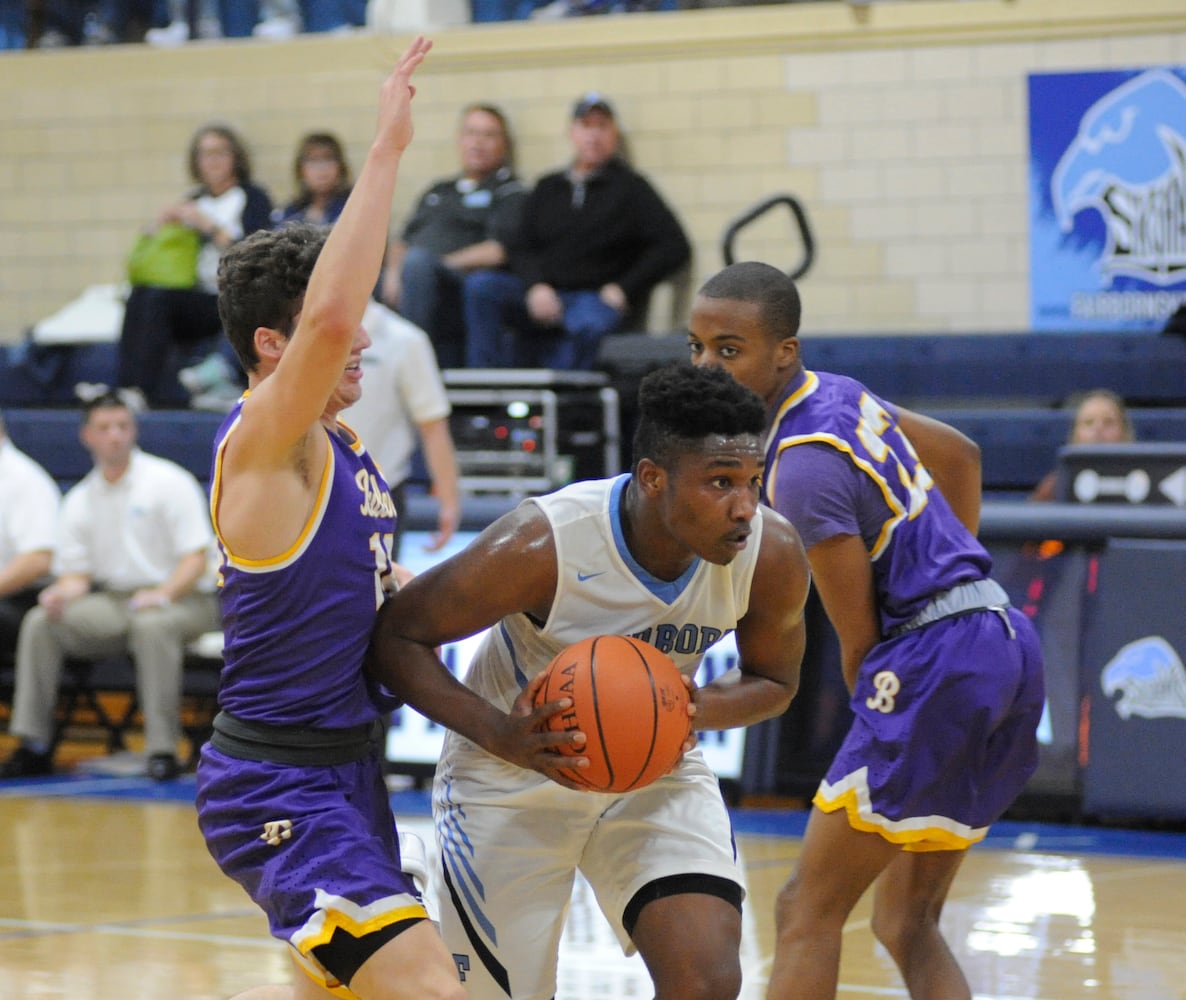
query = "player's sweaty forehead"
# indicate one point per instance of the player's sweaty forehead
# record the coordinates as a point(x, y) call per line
point(727, 452)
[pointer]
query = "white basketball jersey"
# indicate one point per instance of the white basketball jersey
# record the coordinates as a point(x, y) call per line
point(602, 589)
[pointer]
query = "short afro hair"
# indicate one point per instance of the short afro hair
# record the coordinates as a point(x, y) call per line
point(680, 405)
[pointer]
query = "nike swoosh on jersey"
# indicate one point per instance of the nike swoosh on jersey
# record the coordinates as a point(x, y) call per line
point(582, 577)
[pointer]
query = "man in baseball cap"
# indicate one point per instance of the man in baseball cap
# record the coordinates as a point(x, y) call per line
point(592, 102)
point(595, 239)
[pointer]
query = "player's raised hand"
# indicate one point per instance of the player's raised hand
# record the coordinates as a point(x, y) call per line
point(395, 97)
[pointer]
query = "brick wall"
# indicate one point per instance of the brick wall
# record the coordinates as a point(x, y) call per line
point(901, 126)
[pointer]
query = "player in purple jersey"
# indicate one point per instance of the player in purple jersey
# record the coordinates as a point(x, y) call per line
point(945, 677)
point(291, 794)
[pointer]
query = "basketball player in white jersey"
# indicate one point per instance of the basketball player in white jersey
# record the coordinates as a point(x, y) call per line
point(677, 553)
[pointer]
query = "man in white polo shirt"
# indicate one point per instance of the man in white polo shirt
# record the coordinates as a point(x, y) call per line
point(132, 570)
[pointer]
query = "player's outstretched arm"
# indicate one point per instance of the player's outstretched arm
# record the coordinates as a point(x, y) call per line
point(348, 266)
point(510, 568)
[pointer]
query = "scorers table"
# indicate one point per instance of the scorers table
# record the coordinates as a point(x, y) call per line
point(525, 431)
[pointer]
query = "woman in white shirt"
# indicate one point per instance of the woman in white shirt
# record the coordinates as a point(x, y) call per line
point(223, 208)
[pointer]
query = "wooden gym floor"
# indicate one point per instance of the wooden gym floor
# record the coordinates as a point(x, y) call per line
point(107, 893)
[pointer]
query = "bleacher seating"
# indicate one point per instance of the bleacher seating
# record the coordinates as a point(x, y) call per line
point(964, 370)
point(50, 436)
point(1005, 391)
point(1017, 442)
point(968, 370)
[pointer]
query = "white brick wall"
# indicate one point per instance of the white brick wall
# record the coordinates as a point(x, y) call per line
point(901, 127)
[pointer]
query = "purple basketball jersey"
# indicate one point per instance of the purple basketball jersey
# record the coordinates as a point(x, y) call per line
point(943, 738)
point(838, 463)
point(297, 626)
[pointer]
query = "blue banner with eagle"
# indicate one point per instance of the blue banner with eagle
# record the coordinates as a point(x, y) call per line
point(1107, 199)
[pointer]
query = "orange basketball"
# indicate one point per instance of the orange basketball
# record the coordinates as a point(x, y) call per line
point(630, 702)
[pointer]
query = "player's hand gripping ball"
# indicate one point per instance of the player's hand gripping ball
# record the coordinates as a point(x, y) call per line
point(629, 700)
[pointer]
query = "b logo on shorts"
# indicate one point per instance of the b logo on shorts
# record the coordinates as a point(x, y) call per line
point(276, 831)
point(888, 685)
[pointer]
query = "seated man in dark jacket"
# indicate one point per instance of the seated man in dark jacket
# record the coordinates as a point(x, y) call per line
point(595, 239)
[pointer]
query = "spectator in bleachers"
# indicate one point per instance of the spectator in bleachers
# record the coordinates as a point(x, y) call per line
point(322, 186)
point(521, 10)
point(1100, 417)
point(117, 21)
point(14, 27)
point(595, 240)
point(461, 224)
point(582, 8)
point(322, 179)
point(404, 400)
point(28, 521)
point(266, 19)
point(503, 10)
point(223, 208)
point(241, 18)
point(132, 564)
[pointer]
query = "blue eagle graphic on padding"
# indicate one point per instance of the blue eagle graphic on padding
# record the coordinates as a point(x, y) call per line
point(1150, 677)
point(1123, 142)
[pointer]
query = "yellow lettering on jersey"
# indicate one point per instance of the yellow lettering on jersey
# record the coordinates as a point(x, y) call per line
point(376, 501)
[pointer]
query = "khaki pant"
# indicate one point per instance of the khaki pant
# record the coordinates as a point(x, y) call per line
point(98, 625)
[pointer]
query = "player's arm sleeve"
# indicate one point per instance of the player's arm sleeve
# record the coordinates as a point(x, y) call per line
point(814, 488)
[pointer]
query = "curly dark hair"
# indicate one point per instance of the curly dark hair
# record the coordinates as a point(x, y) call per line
point(773, 291)
point(262, 281)
point(680, 405)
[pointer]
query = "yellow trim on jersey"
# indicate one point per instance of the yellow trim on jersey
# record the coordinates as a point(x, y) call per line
point(334, 912)
point(358, 447)
point(919, 833)
point(810, 384)
point(900, 513)
point(310, 526)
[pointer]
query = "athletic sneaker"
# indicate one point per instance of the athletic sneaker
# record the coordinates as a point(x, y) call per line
point(163, 767)
point(26, 763)
point(275, 27)
point(169, 36)
point(413, 860)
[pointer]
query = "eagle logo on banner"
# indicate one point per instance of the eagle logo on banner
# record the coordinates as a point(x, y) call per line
point(1149, 676)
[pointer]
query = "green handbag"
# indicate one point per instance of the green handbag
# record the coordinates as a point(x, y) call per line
point(166, 257)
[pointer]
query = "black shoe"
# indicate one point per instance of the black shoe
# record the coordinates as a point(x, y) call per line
point(163, 767)
point(26, 763)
